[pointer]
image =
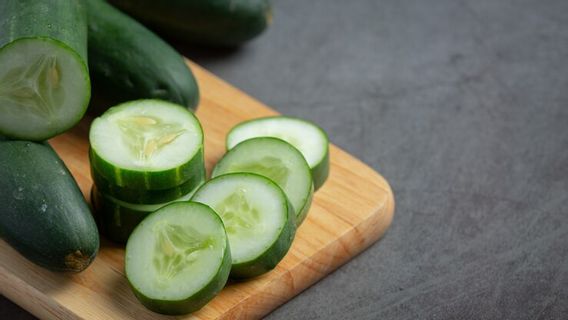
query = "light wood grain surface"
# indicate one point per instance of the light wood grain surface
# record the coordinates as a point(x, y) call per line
point(350, 212)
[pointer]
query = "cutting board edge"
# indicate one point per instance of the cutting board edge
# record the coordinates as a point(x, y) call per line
point(31, 299)
point(373, 227)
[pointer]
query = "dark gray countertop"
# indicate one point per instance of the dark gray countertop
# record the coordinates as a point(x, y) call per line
point(463, 107)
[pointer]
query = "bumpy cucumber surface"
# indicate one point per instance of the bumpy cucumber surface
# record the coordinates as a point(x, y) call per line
point(217, 22)
point(277, 160)
point(44, 80)
point(43, 213)
point(307, 137)
point(117, 219)
point(147, 144)
point(258, 217)
point(178, 258)
point(128, 61)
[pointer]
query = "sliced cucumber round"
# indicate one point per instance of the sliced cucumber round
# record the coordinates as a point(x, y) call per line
point(178, 258)
point(144, 196)
point(117, 219)
point(276, 160)
point(44, 88)
point(307, 137)
point(258, 218)
point(148, 144)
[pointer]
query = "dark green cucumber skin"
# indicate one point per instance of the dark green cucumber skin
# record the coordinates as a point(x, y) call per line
point(199, 299)
point(145, 196)
point(320, 173)
point(43, 213)
point(114, 224)
point(148, 180)
point(62, 22)
point(128, 61)
point(303, 213)
point(212, 22)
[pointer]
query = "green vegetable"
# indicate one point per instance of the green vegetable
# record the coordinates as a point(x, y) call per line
point(117, 219)
point(307, 137)
point(44, 80)
point(277, 160)
point(178, 258)
point(214, 22)
point(43, 213)
point(147, 144)
point(144, 196)
point(128, 61)
point(259, 220)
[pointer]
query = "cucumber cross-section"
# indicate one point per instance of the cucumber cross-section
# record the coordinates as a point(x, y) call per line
point(146, 135)
point(176, 248)
point(239, 215)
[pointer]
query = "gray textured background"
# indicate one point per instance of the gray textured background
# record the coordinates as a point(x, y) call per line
point(463, 107)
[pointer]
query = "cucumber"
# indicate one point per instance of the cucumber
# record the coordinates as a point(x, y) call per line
point(307, 137)
point(213, 22)
point(178, 258)
point(128, 61)
point(147, 144)
point(258, 218)
point(144, 196)
point(276, 160)
point(43, 213)
point(117, 218)
point(44, 80)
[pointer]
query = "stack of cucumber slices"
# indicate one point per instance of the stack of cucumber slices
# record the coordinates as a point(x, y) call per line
point(186, 237)
point(144, 154)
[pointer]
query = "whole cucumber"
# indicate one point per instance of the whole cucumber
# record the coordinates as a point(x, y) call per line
point(129, 62)
point(43, 214)
point(213, 22)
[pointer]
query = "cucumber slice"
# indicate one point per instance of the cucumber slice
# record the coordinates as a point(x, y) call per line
point(307, 137)
point(143, 196)
point(178, 258)
point(44, 80)
point(276, 160)
point(148, 144)
point(258, 218)
point(117, 219)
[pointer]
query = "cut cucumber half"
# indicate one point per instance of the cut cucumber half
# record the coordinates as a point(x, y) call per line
point(144, 196)
point(148, 144)
point(178, 258)
point(276, 160)
point(258, 218)
point(307, 137)
point(44, 80)
point(117, 218)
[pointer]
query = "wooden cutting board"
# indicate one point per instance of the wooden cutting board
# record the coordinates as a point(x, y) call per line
point(349, 213)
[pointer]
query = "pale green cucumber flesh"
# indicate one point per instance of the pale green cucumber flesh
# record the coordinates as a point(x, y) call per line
point(150, 144)
point(44, 88)
point(178, 258)
point(308, 138)
point(259, 220)
point(276, 160)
